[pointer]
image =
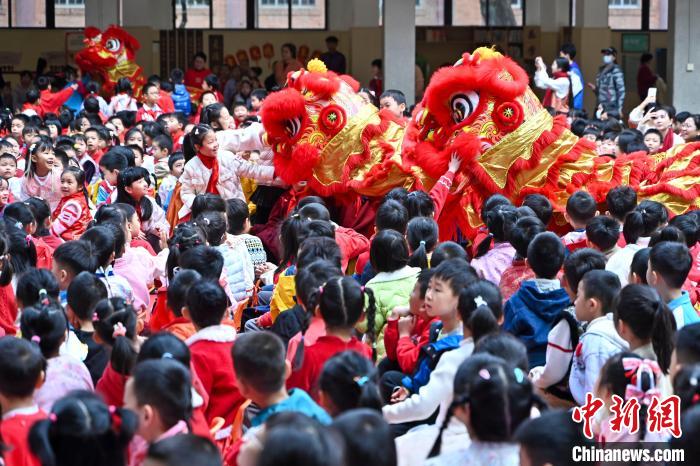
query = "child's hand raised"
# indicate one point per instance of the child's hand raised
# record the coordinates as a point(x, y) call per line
point(398, 312)
point(406, 326)
point(455, 162)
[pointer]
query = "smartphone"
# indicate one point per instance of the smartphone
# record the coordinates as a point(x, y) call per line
point(652, 93)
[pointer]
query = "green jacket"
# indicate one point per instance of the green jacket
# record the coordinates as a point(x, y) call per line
point(391, 289)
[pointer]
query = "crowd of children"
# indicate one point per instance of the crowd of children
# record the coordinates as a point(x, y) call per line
point(150, 318)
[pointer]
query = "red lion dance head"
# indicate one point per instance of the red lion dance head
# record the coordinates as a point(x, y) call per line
point(323, 132)
point(110, 55)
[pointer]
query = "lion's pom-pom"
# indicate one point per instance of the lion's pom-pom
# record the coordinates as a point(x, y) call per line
point(316, 66)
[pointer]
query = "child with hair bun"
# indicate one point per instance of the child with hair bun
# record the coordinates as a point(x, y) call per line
point(83, 431)
point(45, 325)
point(116, 326)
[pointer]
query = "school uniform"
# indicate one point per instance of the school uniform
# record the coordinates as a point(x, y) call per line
point(316, 355)
point(111, 386)
point(299, 402)
point(211, 348)
point(530, 313)
point(599, 342)
point(683, 311)
point(71, 217)
point(405, 350)
point(14, 430)
point(574, 240)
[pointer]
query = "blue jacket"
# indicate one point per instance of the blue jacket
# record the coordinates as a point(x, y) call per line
point(529, 315)
point(578, 98)
point(182, 99)
point(298, 402)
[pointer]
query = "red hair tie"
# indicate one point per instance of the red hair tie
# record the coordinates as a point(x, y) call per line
point(695, 398)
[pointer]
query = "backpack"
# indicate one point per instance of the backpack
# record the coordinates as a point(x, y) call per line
point(561, 388)
point(429, 357)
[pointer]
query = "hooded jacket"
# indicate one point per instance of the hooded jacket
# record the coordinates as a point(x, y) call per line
point(529, 315)
point(181, 99)
point(597, 344)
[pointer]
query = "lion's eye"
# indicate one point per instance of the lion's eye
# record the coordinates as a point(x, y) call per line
point(463, 105)
point(112, 45)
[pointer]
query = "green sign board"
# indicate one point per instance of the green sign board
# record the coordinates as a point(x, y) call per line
point(635, 42)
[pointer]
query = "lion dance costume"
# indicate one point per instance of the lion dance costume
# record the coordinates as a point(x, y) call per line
point(481, 109)
point(110, 55)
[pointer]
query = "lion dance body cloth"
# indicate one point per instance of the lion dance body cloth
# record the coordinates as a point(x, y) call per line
point(481, 109)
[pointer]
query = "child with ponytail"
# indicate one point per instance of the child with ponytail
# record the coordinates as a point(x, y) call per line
point(45, 325)
point(116, 326)
point(82, 430)
point(640, 224)
point(645, 322)
point(72, 215)
point(18, 214)
point(342, 303)
point(422, 237)
point(490, 264)
point(133, 189)
point(491, 398)
point(629, 376)
point(348, 382)
point(308, 281)
point(211, 170)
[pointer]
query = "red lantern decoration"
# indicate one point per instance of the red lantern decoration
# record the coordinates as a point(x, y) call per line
point(255, 53)
point(303, 54)
point(230, 60)
point(241, 56)
point(268, 52)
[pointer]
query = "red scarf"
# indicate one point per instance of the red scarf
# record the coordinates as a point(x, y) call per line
point(212, 163)
point(668, 141)
point(549, 93)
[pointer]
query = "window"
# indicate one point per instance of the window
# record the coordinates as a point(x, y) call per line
point(658, 14)
point(305, 14)
point(44, 13)
point(430, 12)
point(69, 13)
point(487, 12)
point(192, 14)
point(624, 4)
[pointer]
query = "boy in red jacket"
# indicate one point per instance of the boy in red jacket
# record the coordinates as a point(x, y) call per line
point(49, 101)
point(211, 348)
point(408, 330)
point(21, 371)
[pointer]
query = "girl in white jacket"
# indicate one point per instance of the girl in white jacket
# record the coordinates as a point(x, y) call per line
point(210, 170)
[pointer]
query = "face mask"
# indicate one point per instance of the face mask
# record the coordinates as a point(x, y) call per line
point(607, 59)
